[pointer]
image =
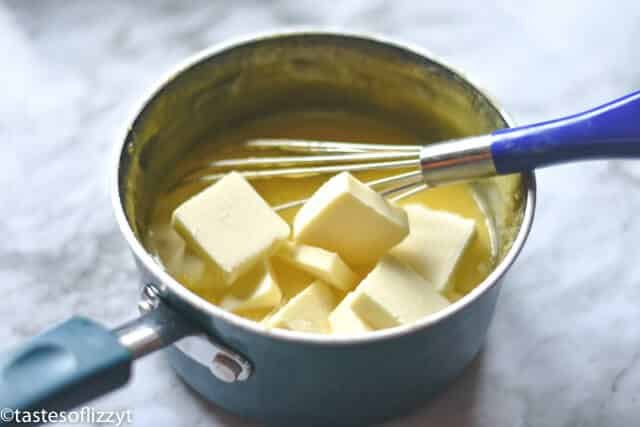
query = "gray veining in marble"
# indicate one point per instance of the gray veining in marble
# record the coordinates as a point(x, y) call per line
point(564, 348)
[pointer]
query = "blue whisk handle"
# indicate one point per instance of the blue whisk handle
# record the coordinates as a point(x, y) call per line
point(611, 130)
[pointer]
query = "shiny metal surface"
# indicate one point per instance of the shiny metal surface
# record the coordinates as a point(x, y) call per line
point(268, 162)
point(140, 337)
point(226, 364)
point(306, 146)
point(458, 160)
point(351, 157)
point(441, 163)
point(157, 327)
point(312, 170)
point(149, 299)
point(225, 368)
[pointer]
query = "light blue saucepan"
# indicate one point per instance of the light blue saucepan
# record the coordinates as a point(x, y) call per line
point(283, 376)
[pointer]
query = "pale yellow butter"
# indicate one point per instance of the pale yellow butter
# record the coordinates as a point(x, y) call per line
point(320, 263)
point(230, 225)
point(393, 294)
point(453, 296)
point(169, 246)
point(193, 272)
point(182, 264)
point(344, 321)
point(291, 280)
point(255, 290)
point(347, 217)
point(435, 244)
point(200, 277)
point(306, 312)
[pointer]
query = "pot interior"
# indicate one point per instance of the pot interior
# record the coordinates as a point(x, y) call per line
point(301, 72)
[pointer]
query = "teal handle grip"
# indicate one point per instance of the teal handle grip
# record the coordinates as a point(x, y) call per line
point(63, 367)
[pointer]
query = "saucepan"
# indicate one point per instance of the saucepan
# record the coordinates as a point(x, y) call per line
point(278, 376)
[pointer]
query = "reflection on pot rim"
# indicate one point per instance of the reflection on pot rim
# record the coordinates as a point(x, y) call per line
point(528, 183)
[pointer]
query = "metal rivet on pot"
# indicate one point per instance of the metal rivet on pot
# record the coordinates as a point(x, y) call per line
point(149, 299)
point(225, 368)
point(224, 362)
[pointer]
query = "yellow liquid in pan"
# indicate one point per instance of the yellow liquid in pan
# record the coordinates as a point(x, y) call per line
point(478, 260)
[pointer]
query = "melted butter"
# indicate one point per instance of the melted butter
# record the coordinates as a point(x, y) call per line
point(475, 265)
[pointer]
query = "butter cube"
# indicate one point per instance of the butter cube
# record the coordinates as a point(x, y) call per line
point(322, 264)
point(177, 260)
point(306, 312)
point(347, 217)
point(393, 294)
point(193, 272)
point(230, 225)
point(453, 296)
point(200, 277)
point(291, 280)
point(267, 316)
point(344, 321)
point(169, 246)
point(435, 244)
point(255, 290)
point(258, 316)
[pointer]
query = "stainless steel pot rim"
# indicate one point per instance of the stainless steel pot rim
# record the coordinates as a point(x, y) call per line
point(202, 305)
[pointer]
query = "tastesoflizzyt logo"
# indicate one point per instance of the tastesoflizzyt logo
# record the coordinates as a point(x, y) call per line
point(85, 415)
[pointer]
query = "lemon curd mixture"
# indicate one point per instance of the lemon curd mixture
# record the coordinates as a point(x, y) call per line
point(352, 262)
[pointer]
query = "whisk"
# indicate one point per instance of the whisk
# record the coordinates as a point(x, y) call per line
point(611, 130)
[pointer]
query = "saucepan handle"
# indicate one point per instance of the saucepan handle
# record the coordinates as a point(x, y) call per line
point(63, 367)
point(80, 359)
point(609, 131)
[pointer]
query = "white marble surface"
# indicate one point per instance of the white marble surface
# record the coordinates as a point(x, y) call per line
point(564, 348)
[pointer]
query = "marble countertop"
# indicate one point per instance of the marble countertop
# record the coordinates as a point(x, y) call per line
point(564, 347)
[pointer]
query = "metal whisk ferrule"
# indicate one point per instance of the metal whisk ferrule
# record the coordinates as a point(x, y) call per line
point(457, 160)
